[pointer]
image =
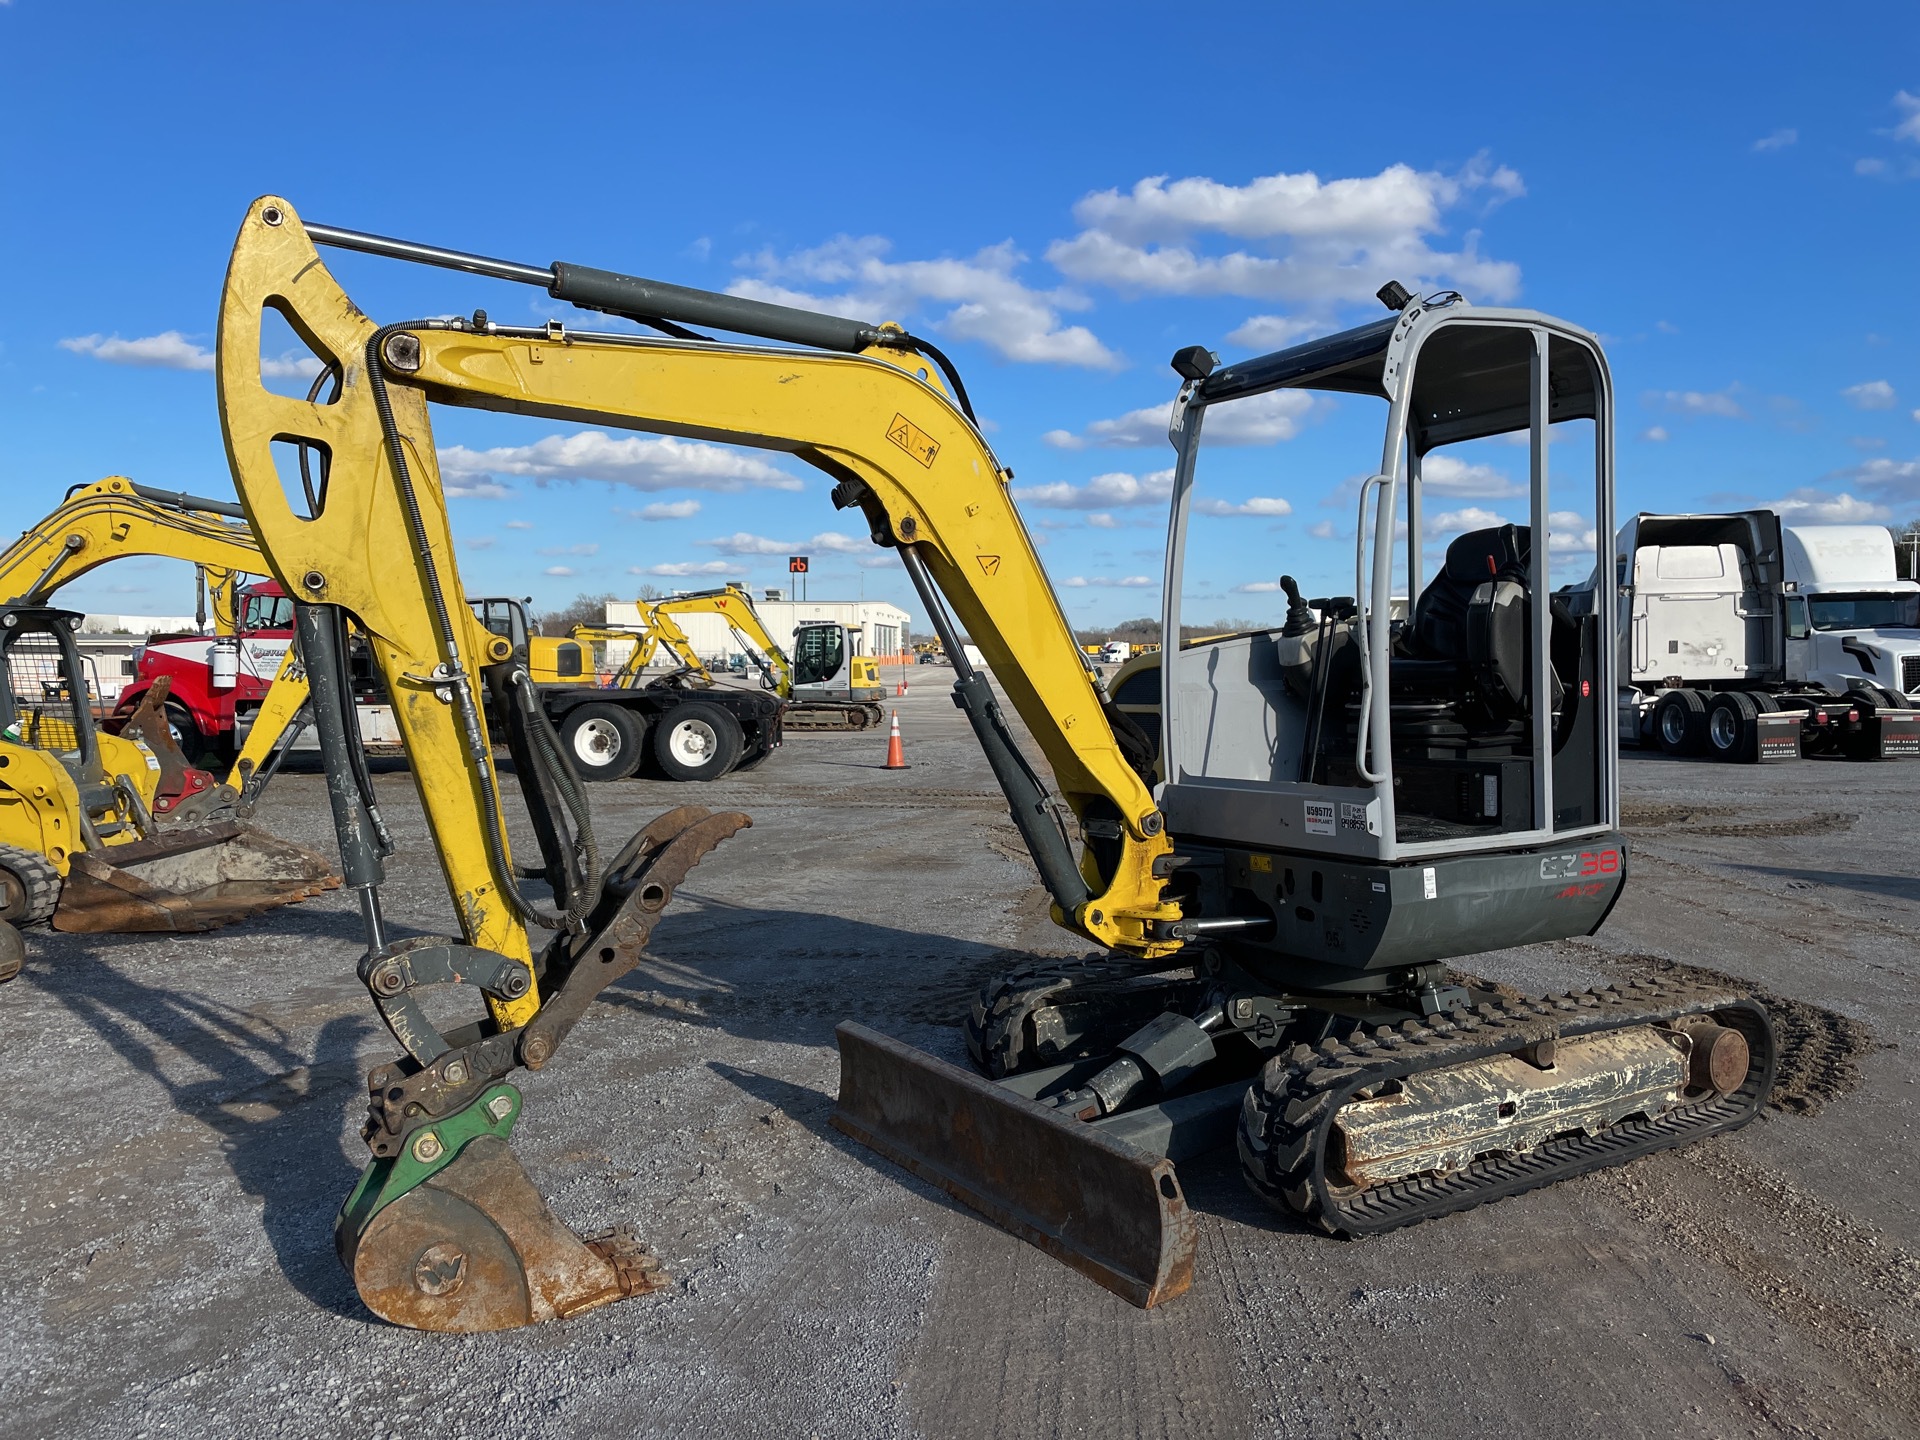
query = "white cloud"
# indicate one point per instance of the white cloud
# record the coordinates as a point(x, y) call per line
point(1819, 507)
point(1322, 242)
point(679, 569)
point(559, 570)
point(1103, 492)
point(980, 298)
point(1568, 530)
point(1272, 332)
point(1267, 505)
point(519, 525)
point(1870, 395)
point(570, 550)
point(1699, 402)
point(670, 510)
point(1325, 530)
point(1778, 140)
point(171, 350)
point(1916, 415)
point(1655, 433)
point(1257, 420)
point(1125, 582)
point(1257, 587)
point(480, 489)
point(1447, 475)
point(1459, 522)
point(742, 542)
point(1909, 108)
point(1868, 165)
point(642, 462)
point(1103, 522)
point(481, 542)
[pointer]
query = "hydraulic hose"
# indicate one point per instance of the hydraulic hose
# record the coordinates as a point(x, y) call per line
point(457, 679)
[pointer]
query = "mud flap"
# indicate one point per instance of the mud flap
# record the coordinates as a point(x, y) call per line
point(1113, 1211)
point(187, 880)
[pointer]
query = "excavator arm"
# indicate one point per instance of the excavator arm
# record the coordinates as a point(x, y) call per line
point(114, 518)
point(877, 420)
point(735, 606)
point(444, 1231)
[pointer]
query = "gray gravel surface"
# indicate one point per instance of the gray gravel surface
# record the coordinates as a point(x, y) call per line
point(184, 1116)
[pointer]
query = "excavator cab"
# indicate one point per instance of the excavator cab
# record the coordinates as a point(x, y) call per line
point(1426, 756)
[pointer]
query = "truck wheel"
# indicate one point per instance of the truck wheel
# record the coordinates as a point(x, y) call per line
point(1680, 722)
point(1763, 703)
point(1731, 730)
point(13, 952)
point(696, 741)
point(604, 741)
point(185, 733)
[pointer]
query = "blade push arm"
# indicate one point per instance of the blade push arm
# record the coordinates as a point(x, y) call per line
point(876, 421)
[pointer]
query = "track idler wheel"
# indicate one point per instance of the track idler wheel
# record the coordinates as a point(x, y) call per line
point(472, 1246)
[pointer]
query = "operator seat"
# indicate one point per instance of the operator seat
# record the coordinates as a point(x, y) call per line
point(1469, 629)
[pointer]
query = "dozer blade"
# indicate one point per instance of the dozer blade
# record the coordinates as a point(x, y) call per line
point(473, 1246)
point(1108, 1208)
point(187, 880)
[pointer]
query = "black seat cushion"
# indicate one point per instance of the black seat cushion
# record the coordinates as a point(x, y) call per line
point(1439, 630)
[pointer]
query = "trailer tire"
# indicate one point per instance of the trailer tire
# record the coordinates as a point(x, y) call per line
point(1680, 722)
point(1732, 732)
point(697, 741)
point(1763, 702)
point(605, 742)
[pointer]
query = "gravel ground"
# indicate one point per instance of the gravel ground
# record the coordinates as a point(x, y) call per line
point(185, 1114)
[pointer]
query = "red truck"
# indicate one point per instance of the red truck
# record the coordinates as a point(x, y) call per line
point(218, 681)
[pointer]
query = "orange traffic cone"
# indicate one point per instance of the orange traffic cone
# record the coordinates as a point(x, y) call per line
point(896, 757)
point(901, 688)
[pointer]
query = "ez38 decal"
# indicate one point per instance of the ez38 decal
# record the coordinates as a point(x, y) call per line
point(1583, 869)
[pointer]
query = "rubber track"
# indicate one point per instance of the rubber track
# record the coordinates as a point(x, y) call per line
point(41, 880)
point(1289, 1110)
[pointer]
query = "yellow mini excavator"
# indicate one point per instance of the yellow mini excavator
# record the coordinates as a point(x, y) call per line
point(1348, 802)
point(825, 685)
point(103, 832)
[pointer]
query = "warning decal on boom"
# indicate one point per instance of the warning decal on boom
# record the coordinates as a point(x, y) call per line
point(913, 440)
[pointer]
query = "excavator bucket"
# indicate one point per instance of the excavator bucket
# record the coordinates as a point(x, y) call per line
point(187, 880)
point(473, 1247)
point(444, 1230)
point(1109, 1208)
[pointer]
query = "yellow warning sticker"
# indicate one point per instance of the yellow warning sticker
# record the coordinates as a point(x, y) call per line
point(910, 438)
point(1261, 863)
point(989, 563)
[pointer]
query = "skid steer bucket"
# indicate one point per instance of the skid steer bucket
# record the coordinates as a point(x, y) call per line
point(187, 880)
point(1107, 1207)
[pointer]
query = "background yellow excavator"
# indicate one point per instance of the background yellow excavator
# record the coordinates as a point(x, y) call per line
point(1346, 805)
point(825, 685)
point(116, 832)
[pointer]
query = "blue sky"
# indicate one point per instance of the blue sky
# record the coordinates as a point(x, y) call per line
point(1060, 195)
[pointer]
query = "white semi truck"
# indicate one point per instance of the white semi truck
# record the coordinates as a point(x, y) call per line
point(1746, 639)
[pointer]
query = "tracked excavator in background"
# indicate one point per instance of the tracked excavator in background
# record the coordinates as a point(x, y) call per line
point(1347, 807)
point(826, 684)
point(116, 831)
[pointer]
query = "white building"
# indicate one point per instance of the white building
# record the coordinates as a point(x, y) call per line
point(879, 628)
